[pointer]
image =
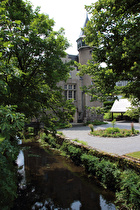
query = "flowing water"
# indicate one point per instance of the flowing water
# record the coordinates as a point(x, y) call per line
point(50, 181)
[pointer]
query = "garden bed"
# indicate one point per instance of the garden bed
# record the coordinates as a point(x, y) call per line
point(113, 132)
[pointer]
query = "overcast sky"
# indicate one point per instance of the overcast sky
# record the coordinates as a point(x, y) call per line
point(69, 14)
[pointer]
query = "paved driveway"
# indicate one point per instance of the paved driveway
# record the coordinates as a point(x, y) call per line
point(119, 146)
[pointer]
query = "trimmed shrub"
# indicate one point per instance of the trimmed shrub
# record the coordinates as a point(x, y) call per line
point(91, 127)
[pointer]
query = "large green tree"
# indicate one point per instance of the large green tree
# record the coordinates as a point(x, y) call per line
point(31, 64)
point(113, 33)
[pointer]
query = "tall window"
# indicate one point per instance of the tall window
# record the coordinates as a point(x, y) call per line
point(70, 91)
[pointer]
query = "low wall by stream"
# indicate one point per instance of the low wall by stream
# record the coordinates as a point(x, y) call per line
point(124, 162)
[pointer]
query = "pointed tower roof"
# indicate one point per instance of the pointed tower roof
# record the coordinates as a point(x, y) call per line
point(87, 19)
point(80, 41)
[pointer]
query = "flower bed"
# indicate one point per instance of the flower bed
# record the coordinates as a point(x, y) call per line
point(113, 132)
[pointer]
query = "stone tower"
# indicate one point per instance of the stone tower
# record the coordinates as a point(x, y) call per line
point(83, 49)
point(85, 55)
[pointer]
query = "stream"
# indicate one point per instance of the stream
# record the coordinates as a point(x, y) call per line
point(50, 181)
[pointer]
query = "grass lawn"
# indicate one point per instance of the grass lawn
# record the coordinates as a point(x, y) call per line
point(134, 155)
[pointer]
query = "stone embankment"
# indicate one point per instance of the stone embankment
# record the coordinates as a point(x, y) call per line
point(123, 161)
point(117, 146)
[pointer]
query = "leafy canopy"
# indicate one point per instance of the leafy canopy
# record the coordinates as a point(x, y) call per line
point(113, 33)
point(31, 64)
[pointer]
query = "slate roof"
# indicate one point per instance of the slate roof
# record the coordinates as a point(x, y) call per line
point(73, 57)
point(82, 32)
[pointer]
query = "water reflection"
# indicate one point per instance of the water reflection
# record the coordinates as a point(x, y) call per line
point(51, 182)
point(20, 162)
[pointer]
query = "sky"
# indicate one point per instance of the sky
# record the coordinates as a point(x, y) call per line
point(68, 14)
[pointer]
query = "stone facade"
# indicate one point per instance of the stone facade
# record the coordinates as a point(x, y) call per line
point(72, 87)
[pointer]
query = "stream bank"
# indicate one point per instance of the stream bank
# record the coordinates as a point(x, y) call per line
point(51, 181)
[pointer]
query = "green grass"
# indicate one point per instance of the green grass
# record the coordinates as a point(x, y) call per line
point(134, 155)
point(80, 141)
point(60, 133)
point(108, 115)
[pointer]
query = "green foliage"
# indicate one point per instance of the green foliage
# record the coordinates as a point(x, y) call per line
point(113, 122)
point(51, 140)
point(129, 192)
point(31, 64)
point(125, 183)
point(108, 115)
point(132, 128)
point(134, 113)
point(60, 133)
point(108, 174)
point(95, 122)
point(11, 122)
point(75, 154)
point(8, 173)
point(80, 141)
point(114, 132)
point(108, 105)
point(1, 138)
point(42, 135)
point(64, 125)
point(90, 163)
point(91, 127)
point(113, 34)
point(134, 154)
point(64, 146)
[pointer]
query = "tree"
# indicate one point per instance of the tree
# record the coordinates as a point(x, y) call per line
point(31, 64)
point(113, 33)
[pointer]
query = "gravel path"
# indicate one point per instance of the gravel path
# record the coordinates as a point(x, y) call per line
point(119, 146)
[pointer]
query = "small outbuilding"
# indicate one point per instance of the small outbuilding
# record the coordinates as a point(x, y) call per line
point(120, 106)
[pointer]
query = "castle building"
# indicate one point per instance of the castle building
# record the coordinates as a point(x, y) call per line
point(72, 87)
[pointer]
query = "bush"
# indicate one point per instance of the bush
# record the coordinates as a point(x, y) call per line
point(51, 140)
point(8, 173)
point(108, 174)
point(108, 115)
point(11, 123)
point(95, 122)
point(114, 132)
point(91, 127)
point(90, 163)
point(75, 154)
point(80, 141)
point(129, 193)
